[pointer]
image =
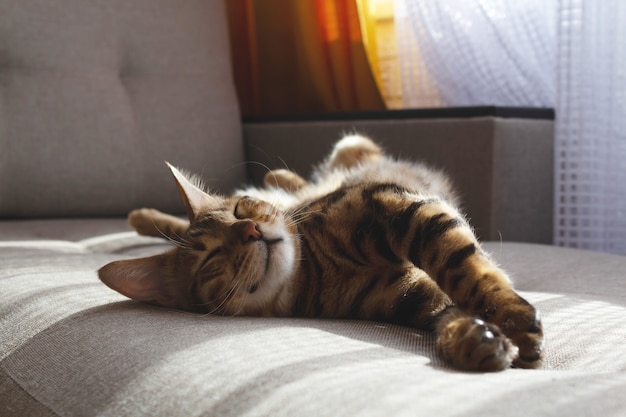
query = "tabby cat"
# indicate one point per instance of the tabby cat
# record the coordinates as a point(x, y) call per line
point(369, 237)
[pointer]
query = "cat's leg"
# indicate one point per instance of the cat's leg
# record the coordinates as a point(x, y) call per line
point(353, 150)
point(348, 152)
point(285, 179)
point(436, 238)
point(152, 222)
point(464, 341)
point(445, 247)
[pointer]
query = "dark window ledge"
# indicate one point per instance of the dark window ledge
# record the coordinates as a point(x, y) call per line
point(432, 113)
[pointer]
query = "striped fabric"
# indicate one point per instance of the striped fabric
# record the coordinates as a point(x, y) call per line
point(69, 346)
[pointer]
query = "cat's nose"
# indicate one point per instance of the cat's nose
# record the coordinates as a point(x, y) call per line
point(248, 231)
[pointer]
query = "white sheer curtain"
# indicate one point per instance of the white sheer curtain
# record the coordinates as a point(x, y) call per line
point(566, 54)
point(470, 52)
point(591, 125)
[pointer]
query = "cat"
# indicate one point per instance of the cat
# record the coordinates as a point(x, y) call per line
point(367, 237)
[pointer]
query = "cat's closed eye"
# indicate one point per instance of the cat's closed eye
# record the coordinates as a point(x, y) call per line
point(210, 256)
point(236, 212)
point(244, 207)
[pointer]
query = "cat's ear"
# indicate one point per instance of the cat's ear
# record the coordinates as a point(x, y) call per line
point(194, 198)
point(140, 279)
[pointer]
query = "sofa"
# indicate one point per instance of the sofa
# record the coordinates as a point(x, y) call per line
point(95, 95)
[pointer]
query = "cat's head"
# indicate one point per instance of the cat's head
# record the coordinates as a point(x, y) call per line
point(236, 258)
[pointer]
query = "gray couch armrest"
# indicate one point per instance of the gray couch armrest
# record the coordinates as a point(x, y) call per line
point(502, 165)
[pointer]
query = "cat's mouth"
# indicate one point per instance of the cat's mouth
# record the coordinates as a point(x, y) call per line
point(269, 246)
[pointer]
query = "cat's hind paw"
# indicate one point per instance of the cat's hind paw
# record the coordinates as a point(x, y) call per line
point(470, 344)
point(526, 332)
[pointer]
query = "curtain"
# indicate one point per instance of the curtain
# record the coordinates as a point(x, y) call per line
point(477, 52)
point(379, 39)
point(591, 126)
point(300, 57)
point(566, 54)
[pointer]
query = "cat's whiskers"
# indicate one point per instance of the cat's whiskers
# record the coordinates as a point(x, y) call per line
point(242, 303)
point(226, 296)
point(181, 239)
point(296, 219)
point(268, 169)
point(268, 157)
point(301, 210)
point(220, 298)
point(299, 215)
point(284, 162)
point(236, 289)
point(179, 242)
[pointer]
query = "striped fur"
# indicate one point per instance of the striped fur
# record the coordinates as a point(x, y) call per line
point(368, 237)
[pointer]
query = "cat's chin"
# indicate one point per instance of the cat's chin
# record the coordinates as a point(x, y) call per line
point(279, 266)
point(265, 294)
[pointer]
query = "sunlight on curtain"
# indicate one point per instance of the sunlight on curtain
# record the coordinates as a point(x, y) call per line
point(477, 52)
point(379, 38)
point(591, 126)
point(300, 57)
point(418, 88)
point(566, 54)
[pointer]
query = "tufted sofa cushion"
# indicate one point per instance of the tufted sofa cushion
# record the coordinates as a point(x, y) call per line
point(95, 95)
point(70, 346)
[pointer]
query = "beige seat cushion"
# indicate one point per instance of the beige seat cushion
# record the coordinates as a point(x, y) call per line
point(71, 346)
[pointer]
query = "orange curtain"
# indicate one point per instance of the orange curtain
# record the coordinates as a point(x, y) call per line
point(300, 56)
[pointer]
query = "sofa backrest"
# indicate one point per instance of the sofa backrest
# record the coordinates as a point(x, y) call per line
point(96, 95)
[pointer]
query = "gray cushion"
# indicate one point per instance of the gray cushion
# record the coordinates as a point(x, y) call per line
point(95, 95)
point(71, 346)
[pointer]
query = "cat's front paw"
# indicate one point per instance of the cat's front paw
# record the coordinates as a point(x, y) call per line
point(523, 326)
point(285, 179)
point(470, 344)
point(142, 220)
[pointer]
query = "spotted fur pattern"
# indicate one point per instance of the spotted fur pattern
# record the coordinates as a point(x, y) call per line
point(368, 237)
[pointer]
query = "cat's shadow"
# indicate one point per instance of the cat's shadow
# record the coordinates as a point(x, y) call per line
point(373, 339)
point(128, 339)
point(146, 335)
